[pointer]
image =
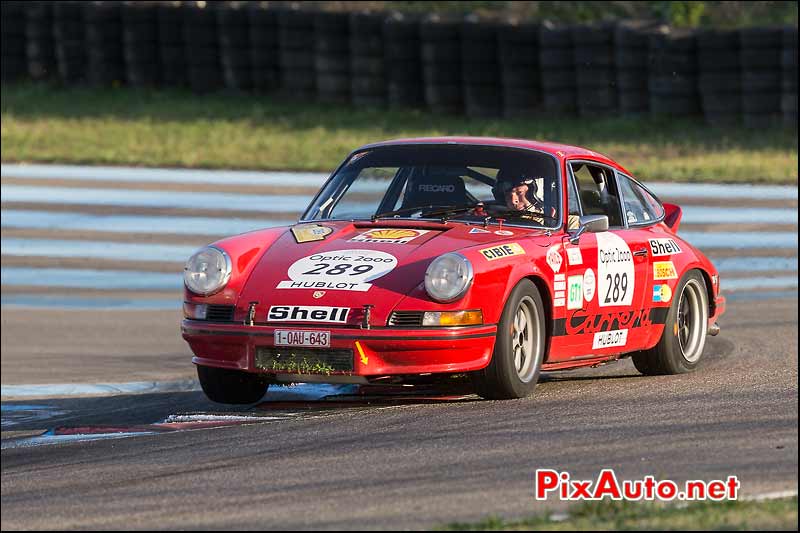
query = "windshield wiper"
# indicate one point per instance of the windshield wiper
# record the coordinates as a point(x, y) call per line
point(421, 208)
point(528, 215)
point(445, 213)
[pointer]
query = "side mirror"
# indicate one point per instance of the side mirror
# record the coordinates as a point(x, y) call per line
point(590, 223)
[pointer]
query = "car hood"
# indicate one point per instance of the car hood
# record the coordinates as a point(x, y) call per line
point(355, 264)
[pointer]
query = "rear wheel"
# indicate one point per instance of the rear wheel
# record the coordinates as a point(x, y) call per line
point(231, 386)
point(519, 348)
point(684, 337)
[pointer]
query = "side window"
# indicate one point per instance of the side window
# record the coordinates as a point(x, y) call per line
point(640, 206)
point(598, 193)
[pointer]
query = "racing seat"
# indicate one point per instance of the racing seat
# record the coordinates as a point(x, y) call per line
point(435, 189)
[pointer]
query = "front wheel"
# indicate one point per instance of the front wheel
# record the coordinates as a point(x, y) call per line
point(231, 386)
point(684, 337)
point(519, 348)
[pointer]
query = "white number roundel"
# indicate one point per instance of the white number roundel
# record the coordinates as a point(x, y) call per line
point(615, 273)
point(348, 270)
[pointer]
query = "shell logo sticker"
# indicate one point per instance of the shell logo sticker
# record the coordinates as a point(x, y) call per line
point(390, 236)
point(664, 270)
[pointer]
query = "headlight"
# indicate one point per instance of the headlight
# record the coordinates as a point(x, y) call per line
point(207, 271)
point(448, 277)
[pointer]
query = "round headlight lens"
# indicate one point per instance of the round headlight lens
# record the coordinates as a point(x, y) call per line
point(207, 271)
point(448, 277)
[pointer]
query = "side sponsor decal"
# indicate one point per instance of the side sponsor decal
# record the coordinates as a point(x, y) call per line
point(588, 284)
point(554, 258)
point(580, 322)
point(389, 236)
point(310, 232)
point(659, 247)
point(609, 339)
point(479, 230)
point(307, 313)
point(575, 292)
point(662, 293)
point(504, 250)
point(664, 270)
point(343, 270)
point(559, 290)
point(574, 256)
point(616, 279)
point(559, 299)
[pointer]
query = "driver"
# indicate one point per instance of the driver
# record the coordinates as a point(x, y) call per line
point(519, 194)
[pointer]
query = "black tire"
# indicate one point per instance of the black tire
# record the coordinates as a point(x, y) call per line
point(501, 380)
point(231, 386)
point(681, 345)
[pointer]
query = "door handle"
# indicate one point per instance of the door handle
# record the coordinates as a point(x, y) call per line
point(642, 252)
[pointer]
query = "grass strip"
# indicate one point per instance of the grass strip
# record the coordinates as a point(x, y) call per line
point(173, 128)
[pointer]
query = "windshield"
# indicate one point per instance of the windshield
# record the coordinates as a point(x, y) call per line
point(452, 181)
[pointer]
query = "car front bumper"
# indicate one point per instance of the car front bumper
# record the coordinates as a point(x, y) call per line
point(380, 351)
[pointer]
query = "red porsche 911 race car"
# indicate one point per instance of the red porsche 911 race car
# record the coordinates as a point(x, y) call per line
point(422, 258)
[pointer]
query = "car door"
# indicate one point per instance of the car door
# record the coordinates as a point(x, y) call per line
point(606, 276)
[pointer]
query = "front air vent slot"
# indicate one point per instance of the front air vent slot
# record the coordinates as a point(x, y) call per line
point(300, 360)
point(406, 319)
point(220, 313)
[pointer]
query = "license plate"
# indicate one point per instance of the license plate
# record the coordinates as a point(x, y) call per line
point(293, 337)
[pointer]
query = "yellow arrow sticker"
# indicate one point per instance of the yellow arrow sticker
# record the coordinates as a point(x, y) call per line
point(364, 358)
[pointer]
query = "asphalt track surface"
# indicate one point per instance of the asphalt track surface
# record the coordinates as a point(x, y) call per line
point(364, 460)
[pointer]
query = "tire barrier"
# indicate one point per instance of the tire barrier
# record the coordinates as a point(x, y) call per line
point(632, 61)
point(719, 64)
point(105, 62)
point(440, 41)
point(761, 53)
point(557, 64)
point(789, 82)
point(673, 73)
point(69, 36)
point(448, 65)
point(233, 22)
point(367, 74)
point(296, 46)
point(332, 57)
point(39, 47)
point(264, 48)
point(595, 69)
point(480, 69)
point(202, 47)
point(14, 63)
point(518, 54)
point(172, 46)
point(402, 60)
point(140, 43)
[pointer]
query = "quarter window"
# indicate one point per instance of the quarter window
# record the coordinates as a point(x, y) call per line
point(640, 206)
